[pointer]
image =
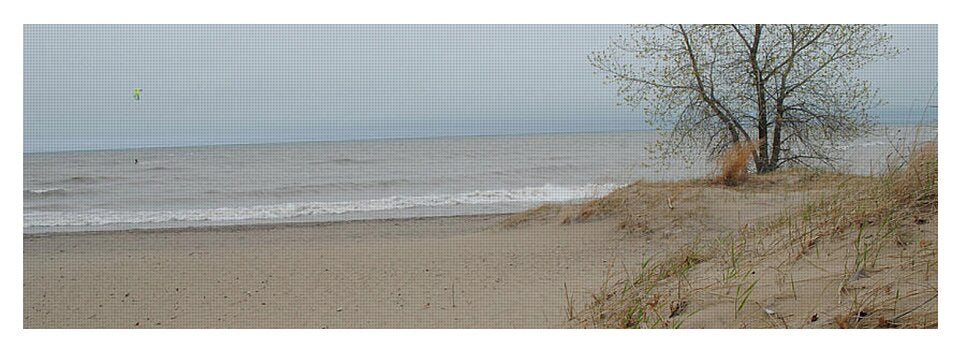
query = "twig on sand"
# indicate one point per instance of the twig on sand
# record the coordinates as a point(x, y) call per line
point(915, 308)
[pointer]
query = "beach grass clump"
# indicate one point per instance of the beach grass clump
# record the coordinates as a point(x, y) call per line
point(906, 192)
point(638, 302)
point(914, 186)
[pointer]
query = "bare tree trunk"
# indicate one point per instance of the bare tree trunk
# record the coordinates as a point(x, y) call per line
point(760, 155)
point(779, 116)
point(777, 130)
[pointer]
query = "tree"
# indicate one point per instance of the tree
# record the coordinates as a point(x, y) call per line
point(789, 89)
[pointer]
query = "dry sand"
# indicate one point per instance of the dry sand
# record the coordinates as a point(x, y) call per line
point(431, 272)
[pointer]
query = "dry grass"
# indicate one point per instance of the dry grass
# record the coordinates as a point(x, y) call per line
point(906, 192)
point(915, 185)
point(733, 163)
point(861, 254)
point(637, 303)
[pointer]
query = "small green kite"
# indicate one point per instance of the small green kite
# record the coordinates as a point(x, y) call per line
point(136, 94)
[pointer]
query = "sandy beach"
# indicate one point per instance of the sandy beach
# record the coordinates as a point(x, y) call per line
point(528, 270)
point(779, 250)
point(436, 272)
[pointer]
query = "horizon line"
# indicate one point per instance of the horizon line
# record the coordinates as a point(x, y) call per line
point(342, 140)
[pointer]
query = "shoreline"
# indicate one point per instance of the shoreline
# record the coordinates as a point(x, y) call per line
point(244, 227)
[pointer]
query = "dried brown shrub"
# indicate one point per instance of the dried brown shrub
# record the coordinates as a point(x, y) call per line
point(733, 163)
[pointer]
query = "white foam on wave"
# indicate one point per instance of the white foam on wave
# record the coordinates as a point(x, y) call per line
point(44, 190)
point(546, 193)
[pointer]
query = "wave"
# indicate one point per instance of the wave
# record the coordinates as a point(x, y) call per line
point(344, 185)
point(44, 191)
point(546, 193)
point(88, 180)
point(319, 188)
point(342, 161)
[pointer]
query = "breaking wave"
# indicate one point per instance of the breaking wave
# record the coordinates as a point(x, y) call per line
point(43, 192)
point(546, 193)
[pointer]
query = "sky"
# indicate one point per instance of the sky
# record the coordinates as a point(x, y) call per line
point(230, 84)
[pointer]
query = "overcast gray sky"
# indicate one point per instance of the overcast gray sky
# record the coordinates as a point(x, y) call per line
point(215, 84)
